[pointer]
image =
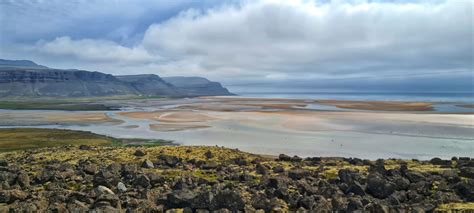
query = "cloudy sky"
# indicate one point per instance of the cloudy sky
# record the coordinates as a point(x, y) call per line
point(418, 45)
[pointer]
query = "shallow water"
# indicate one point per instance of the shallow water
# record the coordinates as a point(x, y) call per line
point(370, 139)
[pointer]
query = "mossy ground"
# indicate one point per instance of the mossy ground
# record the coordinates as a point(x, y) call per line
point(456, 207)
point(26, 138)
point(12, 139)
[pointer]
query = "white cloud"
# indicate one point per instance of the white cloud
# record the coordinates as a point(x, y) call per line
point(271, 37)
point(95, 51)
point(274, 40)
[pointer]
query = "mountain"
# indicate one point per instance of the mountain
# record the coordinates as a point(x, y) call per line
point(197, 86)
point(26, 78)
point(64, 83)
point(19, 64)
point(150, 85)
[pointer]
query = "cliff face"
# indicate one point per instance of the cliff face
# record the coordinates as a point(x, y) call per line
point(150, 85)
point(26, 78)
point(66, 83)
point(197, 86)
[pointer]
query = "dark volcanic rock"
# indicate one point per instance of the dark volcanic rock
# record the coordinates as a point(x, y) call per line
point(215, 183)
point(378, 186)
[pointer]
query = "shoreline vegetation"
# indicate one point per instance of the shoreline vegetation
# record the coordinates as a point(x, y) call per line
point(15, 139)
point(205, 179)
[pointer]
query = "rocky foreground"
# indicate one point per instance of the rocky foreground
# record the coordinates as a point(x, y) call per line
point(213, 179)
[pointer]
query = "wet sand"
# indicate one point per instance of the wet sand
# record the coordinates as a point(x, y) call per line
point(379, 105)
point(274, 126)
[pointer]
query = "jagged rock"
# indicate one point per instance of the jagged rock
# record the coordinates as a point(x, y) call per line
point(278, 169)
point(261, 169)
point(180, 198)
point(439, 161)
point(378, 186)
point(208, 154)
point(356, 188)
point(147, 164)
point(229, 199)
point(121, 187)
point(143, 181)
point(283, 157)
point(354, 204)
point(169, 160)
point(104, 190)
point(139, 153)
point(209, 165)
point(3, 163)
point(401, 183)
point(85, 147)
point(297, 173)
point(23, 180)
point(90, 169)
point(467, 172)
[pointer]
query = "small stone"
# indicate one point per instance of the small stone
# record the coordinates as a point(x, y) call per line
point(209, 154)
point(23, 180)
point(147, 164)
point(139, 153)
point(261, 169)
point(278, 169)
point(85, 147)
point(121, 187)
point(90, 169)
point(143, 181)
point(104, 190)
point(209, 165)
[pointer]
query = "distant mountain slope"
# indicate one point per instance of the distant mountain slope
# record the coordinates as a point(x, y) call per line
point(19, 63)
point(64, 83)
point(28, 79)
point(150, 85)
point(197, 86)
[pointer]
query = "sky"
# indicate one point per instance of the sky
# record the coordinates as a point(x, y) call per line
point(255, 45)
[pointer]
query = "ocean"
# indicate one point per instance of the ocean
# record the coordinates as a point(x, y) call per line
point(463, 97)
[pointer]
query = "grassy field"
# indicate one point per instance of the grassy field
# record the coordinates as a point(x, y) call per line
point(53, 105)
point(12, 139)
point(61, 103)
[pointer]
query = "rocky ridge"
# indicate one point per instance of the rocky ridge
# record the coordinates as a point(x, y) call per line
point(214, 179)
point(23, 78)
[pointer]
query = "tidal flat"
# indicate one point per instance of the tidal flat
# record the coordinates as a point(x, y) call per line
point(304, 127)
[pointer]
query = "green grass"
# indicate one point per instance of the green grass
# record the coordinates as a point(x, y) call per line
point(12, 139)
point(53, 105)
point(26, 138)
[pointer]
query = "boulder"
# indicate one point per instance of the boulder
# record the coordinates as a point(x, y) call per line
point(283, 157)
point(229, 199)
point(439, 161)
point(467, 172)
point(209, 154)
point(378, 187)
point(210, 165)
point(298, 173)
point(139, 153)
point(143, 181)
